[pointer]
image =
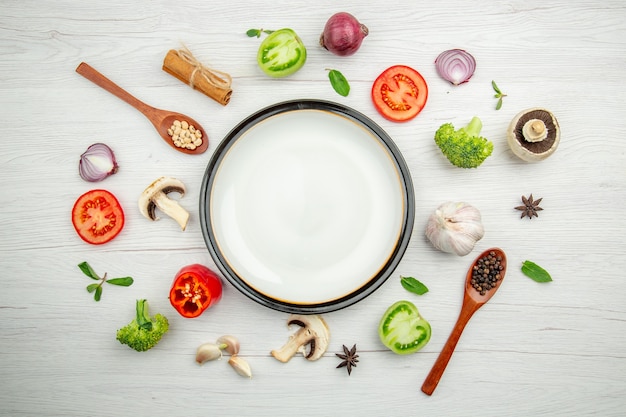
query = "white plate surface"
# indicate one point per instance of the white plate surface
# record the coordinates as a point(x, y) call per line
point(307, 206)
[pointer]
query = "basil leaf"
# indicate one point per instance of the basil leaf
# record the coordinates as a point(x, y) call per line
point(98, 293)
point(87, 270)
point(123, 282)
point(339, 83)
point(535, 272)
point(92, 287)
point(413, 285)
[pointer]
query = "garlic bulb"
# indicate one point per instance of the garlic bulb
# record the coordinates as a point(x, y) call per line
point(455, 228)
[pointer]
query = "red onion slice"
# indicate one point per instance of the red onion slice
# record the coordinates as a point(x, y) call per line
point(97, 163)
point(455, 65)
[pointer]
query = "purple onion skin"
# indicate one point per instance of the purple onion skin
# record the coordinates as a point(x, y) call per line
point(343, 34)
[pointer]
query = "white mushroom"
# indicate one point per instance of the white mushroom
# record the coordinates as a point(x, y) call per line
point(156, 196)
point(534, 134)
point(313, 332)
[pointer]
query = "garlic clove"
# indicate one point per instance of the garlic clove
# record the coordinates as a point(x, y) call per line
point(240, 366)
point(229, 343)
point(208, 352)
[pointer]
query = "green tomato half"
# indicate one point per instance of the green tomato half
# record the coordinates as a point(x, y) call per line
point(402, 329)
point(281, 53)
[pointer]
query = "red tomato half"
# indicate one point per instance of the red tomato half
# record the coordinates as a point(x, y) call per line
point(97, 217)
point(399, 93)
point(195, 288)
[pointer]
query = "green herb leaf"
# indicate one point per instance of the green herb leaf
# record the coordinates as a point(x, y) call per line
point(92, 287)
point(123, 282)
point(97, 288)
point(413, 285)
point(256, 33)
point(339, 83)
point(87, 270)
point(535, 272)
point(499, 95)
point(495, 88)
point(98, 293)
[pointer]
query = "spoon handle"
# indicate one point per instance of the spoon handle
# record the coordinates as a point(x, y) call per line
point(99, 79)
point(432, 380)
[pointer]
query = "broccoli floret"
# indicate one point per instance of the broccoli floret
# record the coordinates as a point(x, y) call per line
point(144, 331)
point(464, 147)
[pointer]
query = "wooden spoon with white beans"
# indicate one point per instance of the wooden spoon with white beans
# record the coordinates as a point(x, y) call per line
point(163, 120)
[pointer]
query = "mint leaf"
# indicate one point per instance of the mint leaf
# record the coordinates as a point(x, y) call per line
point(97, 288)
point(413, 285)
point(535, 272)
point(98, 293)
point(92, 287)
point(499, 95)
point(87, 270)
point(123, 282)
point(496, 89)
point(339, 82)
point(256, 33)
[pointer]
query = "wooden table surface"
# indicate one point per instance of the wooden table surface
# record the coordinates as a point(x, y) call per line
point(555, 349)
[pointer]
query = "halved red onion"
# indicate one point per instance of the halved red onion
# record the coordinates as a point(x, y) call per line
point(97, 163)
point(455, 65)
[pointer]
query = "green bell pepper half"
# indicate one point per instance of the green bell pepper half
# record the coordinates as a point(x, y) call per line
point(402, 329)
point(281, 53)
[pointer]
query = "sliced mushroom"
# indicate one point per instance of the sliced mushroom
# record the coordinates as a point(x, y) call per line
point(156, 196)
point(534, 134)
point(313, 333)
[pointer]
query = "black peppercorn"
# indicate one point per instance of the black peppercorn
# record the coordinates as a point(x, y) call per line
point(486, 273)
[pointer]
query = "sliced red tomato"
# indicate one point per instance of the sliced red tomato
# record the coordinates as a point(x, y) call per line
point(399, 93)
point(97, 216)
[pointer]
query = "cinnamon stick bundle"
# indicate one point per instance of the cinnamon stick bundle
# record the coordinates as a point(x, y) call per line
point(184, 66)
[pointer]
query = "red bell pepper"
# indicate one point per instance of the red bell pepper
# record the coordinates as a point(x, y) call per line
point(195, 289)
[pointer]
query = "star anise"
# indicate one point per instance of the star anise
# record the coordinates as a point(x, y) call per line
point(349, 357)
point(530, 207)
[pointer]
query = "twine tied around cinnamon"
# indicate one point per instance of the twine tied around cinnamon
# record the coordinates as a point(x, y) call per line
point(214, 77)
point(184, 66)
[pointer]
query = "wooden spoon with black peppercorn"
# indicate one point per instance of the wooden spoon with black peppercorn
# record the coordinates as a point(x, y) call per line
point(161, 119)
point(483, 280)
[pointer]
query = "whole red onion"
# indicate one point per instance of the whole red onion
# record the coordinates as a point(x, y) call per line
point(343, 34)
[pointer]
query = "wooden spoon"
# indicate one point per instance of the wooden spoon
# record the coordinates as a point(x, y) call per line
point(472, 301)
point(161, 119)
